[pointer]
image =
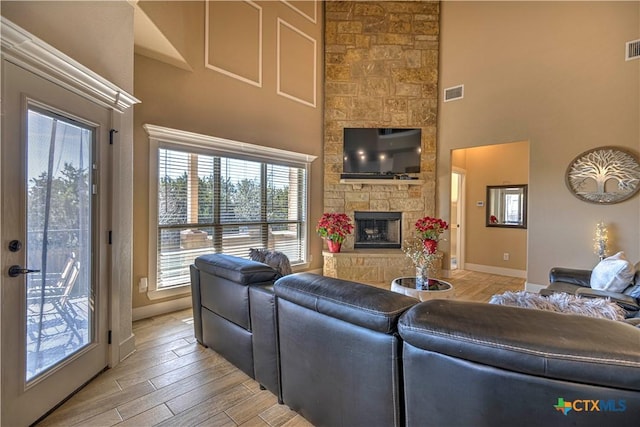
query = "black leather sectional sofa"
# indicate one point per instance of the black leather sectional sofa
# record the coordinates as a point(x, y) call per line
point(347, 354)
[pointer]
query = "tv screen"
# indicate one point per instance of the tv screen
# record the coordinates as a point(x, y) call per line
point(380, 151)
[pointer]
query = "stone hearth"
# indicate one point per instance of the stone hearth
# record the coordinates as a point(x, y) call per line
point(368, 265)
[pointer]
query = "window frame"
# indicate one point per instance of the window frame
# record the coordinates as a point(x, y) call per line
point(167, 138)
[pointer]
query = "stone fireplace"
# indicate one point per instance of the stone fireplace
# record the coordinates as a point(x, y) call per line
point(376, 230)
point(381, 70)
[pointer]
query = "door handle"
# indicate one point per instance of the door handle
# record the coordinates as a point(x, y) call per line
point(16, 270)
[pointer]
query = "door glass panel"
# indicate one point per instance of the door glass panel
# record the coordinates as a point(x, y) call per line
point(59, 298)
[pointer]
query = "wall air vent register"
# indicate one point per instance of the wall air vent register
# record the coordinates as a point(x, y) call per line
point(454, 93)
point(632, 50)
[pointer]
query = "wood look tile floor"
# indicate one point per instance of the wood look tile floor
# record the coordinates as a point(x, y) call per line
point(170, 380)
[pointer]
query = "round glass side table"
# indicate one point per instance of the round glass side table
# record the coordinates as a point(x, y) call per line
point(437, 288)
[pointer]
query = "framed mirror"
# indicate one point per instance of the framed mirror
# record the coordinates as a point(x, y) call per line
point(507, 206)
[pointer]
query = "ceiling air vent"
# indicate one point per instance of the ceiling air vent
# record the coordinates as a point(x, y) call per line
point(453, 93)
point(632, 50)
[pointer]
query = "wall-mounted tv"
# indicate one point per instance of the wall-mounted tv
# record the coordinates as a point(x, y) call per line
point(381, 151)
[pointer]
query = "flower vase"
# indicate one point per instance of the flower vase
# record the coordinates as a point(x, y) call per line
point(430, 245)
point(422, 277)
point(334, 247)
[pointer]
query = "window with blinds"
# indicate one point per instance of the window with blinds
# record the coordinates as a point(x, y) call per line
point(213, 204)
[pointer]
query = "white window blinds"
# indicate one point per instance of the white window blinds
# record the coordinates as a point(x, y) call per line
point(208, 203)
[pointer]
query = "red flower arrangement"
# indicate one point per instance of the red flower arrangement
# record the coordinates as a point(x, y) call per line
point(334, 226)
point(423, 251)
point(429, 231)
point(430, 228)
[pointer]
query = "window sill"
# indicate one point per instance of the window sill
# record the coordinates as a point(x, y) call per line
point(174, 291)
point(297, 268)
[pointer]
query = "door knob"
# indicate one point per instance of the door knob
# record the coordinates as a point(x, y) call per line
point(16, 270)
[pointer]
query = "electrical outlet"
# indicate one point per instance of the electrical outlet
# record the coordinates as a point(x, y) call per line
point(142, 285)
point(505, 256)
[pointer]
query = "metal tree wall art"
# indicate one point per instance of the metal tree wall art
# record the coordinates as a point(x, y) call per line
point(604, 175)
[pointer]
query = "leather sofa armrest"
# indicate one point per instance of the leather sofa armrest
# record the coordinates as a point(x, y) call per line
point(239, 270)
point(570, 275)
point(625, 301)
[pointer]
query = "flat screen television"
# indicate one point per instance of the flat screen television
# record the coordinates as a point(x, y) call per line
point(381, 151)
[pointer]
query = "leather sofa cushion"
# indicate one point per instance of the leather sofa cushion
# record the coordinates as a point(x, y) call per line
point(579, 277)
point(238, 270)
point(626, 302)
point(493, 335)
point(363, 305)
point(568, 288)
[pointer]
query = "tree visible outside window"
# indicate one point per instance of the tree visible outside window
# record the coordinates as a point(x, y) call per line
point(212, 204)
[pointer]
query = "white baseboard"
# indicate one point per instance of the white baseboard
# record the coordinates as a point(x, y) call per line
point(533, 287)
point(161, 308)
point(510, 272)
point(127, 347)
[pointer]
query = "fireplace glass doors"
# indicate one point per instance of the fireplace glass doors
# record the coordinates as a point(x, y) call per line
point(378, 230)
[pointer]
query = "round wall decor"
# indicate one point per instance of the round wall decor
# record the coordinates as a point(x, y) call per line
point(604, 175)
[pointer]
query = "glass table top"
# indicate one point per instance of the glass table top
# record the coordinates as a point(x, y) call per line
point(433, 285)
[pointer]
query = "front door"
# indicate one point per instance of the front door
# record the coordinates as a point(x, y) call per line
point(54, 248)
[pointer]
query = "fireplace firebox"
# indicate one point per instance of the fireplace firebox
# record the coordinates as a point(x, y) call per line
point(378, 230)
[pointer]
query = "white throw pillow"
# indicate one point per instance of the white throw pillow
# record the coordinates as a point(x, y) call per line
point(613, 274)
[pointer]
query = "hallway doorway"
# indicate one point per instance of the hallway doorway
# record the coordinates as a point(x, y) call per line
point(457, 218)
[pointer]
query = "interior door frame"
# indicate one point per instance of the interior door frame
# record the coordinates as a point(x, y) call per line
point(461, 207)
point(31, 53)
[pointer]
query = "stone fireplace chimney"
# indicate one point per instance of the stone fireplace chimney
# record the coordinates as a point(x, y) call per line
point(381, 70)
